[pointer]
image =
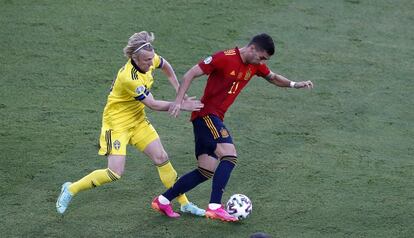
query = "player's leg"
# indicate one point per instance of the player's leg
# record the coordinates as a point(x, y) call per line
point(113, 144)
point(146, 139)
point(227, 154)
point(186, 183)
point(94, 179)
point(116, 164)
point(204, 145)
point(155, 151)
point(205, 170)
point(110, 142)
point(225, 151)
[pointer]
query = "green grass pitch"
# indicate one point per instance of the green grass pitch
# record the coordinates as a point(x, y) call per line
point(336, 161)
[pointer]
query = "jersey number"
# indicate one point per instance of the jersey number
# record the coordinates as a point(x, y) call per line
point(233, 88)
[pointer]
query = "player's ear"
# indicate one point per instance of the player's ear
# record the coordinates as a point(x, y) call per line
point(135, 58)
point(253, 48)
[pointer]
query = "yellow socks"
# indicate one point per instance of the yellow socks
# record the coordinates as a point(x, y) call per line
point(99, 177)
point(94, 179)
point(168, 177)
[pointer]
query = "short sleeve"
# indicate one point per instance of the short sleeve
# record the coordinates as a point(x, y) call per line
point(157, 61)
point(211, 63)
point(262, 70)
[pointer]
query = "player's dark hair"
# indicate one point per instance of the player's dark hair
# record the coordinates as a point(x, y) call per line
point(260, 235)
point(263, 42)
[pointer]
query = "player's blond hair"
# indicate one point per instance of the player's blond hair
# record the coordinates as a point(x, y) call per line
point(139, 41)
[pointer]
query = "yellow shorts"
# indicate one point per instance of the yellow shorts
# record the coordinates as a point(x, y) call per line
point(113, 142)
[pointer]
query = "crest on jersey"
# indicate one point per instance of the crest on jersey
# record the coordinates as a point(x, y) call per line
point(224, 133)
point(208, 60)
point(140, 90)
point(248, 74)
point(117, 144)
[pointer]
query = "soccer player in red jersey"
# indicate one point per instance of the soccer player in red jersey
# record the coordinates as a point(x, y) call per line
point(228, 73)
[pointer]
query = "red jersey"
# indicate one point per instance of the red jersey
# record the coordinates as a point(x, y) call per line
point(227, 76)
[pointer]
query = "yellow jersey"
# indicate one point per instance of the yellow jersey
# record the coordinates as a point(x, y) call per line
point(124, 108)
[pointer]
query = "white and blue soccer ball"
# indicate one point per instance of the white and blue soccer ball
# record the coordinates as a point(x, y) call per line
point(239, 206)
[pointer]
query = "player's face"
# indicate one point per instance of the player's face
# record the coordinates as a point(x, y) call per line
point(258, 56)
point(144, 61)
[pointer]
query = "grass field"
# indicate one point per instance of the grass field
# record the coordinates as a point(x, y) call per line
point(336, 161)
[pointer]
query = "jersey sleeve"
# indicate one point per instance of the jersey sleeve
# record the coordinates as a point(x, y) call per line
point(262, 70)
point(211, 63)
point(137, 90)
point(157, 61)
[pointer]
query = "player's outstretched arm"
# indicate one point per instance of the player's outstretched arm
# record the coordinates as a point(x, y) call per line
point(156, 105)
point(191, 74)
point(189, 104)
point(281, 81)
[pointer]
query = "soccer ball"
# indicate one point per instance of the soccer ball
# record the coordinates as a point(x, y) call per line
point(239, 206)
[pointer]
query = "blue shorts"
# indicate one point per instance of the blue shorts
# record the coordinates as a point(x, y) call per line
point(208, 131)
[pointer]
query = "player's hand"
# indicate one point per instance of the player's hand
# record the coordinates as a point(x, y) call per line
point(304, 84)
point(191, 104)
point(174, 109)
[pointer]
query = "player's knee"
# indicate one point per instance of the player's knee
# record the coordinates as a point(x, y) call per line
point(225, 149)
point(160, 157)
point(207, 174)
point(116, 164)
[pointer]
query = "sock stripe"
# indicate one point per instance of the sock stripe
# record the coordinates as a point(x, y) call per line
point(232, 159)
point(162, 164)
point(206, 173)
point(203, 173)
point(228, 156)
point(112, 176)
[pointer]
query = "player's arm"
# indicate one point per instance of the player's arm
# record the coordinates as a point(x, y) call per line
point(168, 70)
point(156, 105)
point(189, 104)
point(282, 81)
point(191, 74)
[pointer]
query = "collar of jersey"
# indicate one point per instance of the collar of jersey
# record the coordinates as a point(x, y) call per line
point(238, 54)
point(136, 67)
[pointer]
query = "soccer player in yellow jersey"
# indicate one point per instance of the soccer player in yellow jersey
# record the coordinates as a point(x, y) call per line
point(124, 122)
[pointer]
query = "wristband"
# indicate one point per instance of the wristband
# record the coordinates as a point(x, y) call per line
point(292, 84)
